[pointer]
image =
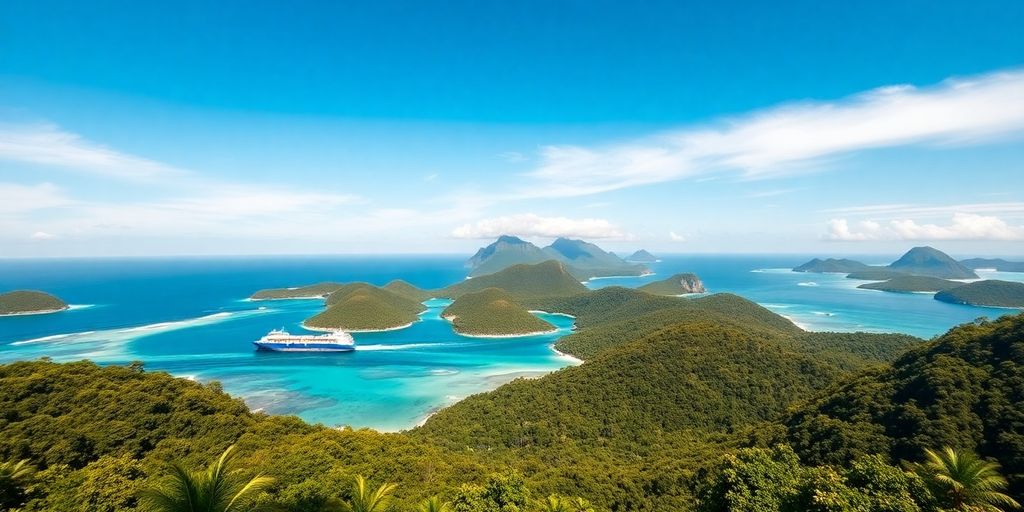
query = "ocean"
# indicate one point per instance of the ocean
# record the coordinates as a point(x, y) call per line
point(190, 317)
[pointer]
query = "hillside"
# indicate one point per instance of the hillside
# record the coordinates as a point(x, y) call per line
point(990, 292)
point(522, 282)
point(965, 389)
point(503, 253)
point(407, 290)
point(911, 284)
point(832, 265)
point(993, 263)
point(362, 307)
point(493, 312)
point(876, 274)
point(313, 290)
point(21, 302)
point(642, 256)
point(928, 261)
point(679, 284)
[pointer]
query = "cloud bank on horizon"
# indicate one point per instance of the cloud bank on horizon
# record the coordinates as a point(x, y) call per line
point(796, 139)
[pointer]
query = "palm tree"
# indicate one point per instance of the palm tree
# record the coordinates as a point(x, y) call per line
point(220, 488)
point(14, 477)
point(963, 481)
point(363, 500)
point(433, 504)
point(554, 504)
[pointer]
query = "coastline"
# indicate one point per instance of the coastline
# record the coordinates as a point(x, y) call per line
point(325, 329)
point(522, 335)
point(541, 311)
point(595, 278)
point(36, 312)
point(309, 297)
point(575, 360)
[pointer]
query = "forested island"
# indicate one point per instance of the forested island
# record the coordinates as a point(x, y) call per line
point(991, 292)
point(912, 284)
point(919, 261)
point(679, 284)
point(583, 260)
point(493, 312)
point(364, 307)
point(29, 302)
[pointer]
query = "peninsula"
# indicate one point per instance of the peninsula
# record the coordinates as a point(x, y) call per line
point(312, 291)
point(679, 284)
point(29, 302)
point(991, 292)
point(912, 284)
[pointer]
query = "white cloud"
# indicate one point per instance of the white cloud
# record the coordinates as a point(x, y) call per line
point(962, 226)
point(47, 144)
point(790, 139)
point(42, 235)
point(675, 237)
point(531, 225)
point(16, 198)
point(919, 211)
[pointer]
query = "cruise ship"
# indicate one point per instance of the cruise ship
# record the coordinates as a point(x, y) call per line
point(281, 341)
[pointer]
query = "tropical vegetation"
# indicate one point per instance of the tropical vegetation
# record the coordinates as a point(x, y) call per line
point(29, 301)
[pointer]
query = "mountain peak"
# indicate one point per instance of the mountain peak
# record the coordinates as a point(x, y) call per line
point(929, 261)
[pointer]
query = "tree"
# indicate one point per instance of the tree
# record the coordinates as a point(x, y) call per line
point(961, 480)
point(220, 488)
point(433, 504)
point(554, 504)
point(363, 500)
point(14, 479)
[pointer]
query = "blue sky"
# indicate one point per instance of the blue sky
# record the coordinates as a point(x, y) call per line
point(254, 127)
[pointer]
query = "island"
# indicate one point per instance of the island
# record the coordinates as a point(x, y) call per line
point(548, 279)
point(313, 291)
point(912, 284)
point(642, 256)
point(990, 292)
point(998, 264)
point(29, 302)
point(679, 284)
point(875, 274)
point(361, 307)
point(493, 312)
point(929, 261)
point(832, 266)
point(583, 260)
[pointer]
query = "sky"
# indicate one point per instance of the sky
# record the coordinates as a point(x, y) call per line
point(224, 128)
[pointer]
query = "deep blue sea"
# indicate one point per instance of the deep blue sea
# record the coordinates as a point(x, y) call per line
point(190, 317)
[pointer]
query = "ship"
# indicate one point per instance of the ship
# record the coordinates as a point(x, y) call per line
point(281, 341)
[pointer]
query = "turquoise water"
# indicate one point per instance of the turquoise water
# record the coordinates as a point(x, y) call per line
point(190, 317)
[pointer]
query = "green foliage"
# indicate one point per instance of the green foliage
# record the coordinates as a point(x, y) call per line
point(27, 301)
point(962, 481)
point(434, 504)
point(501, 493)
point(678, 284)
point(876, 274)
point(832, 265)
point(361, 306)
point(313, 290)
point(966, 389)
point(990, 292)
point(220, 488)
point(523, 282)
point(407, 290)
point(363, 499)
point(909, 284)
point(15, 477)
point(492, 312)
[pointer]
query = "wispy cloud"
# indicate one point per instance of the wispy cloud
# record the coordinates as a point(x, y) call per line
point(17, 199)
point(513, 156)
point(675, 237)
point(48, 144)
point(792, 138)
point(962, 226)
point(531, 225)
point(925, 211)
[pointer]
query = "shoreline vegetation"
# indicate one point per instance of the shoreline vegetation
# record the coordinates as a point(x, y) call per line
point(30, 302)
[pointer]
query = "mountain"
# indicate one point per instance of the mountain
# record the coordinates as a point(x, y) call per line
point(493, 312)
point(300, 292)
point(910, 284)
point(832, 265)
point(503, 253)
point(546, 279)
point(364, 307)
point(928, 261)
point(22, 302)
point(583, 260)
point(993, 263)
point(965, 389)
point(679, 284)
point(642, 256)
point(990, 292)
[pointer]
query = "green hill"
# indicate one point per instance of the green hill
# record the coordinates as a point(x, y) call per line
point(928, 261)
point(832, 265)
point(361, 306)
point(909, 284)
point(990, 292)
point(522, 282)
point(407, 290)
point(679, 284)
point(313, 290)
point(492, 312)
point(876, 274)
point(583, 260)
point(29, 301)
point(993, 263)
point(964, 389)
point(505, 252)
